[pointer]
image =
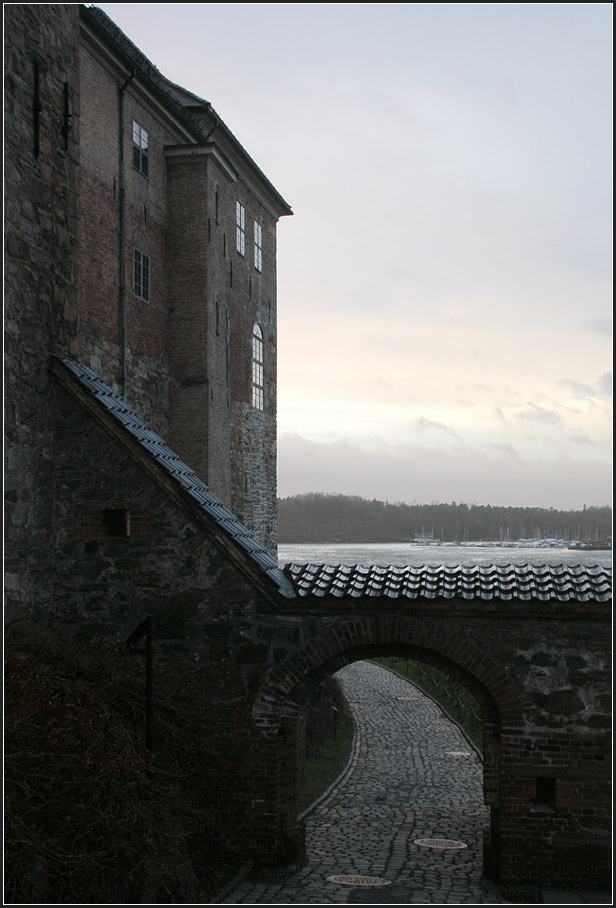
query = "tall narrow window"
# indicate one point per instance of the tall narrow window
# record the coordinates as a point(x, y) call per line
point(257, 367)
point(141, 275)
point(140, 149)
point(258, 246)
point(240, 228)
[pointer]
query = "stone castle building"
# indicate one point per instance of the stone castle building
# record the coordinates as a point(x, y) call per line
point(140, 242)
point(140, 391)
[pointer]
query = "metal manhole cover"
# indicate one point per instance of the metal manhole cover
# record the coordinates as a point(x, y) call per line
point(440, 843)
point(351, 880)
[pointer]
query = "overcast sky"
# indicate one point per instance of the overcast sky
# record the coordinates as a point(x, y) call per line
point(444, 286)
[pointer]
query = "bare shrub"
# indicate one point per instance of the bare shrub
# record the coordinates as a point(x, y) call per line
point(90, 816)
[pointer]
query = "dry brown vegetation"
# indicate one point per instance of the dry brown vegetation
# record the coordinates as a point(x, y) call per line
point(90, 817)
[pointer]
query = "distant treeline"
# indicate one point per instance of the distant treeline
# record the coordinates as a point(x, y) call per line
point(316, 517)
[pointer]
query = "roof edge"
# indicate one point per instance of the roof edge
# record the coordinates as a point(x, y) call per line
point(273, 589)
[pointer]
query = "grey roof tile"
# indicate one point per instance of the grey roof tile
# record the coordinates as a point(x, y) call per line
point(546, 583)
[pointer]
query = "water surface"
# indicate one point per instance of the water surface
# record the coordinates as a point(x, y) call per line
point(402, 553)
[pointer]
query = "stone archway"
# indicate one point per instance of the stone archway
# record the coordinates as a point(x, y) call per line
point(278, 710)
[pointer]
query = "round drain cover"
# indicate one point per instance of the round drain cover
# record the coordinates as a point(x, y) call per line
point(353, 880)
point(440, 843)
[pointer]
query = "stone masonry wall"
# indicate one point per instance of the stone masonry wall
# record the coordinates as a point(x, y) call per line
point(124, 549)
point(543, 677)
point(42, 123)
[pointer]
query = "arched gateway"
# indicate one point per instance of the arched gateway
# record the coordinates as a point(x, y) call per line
point(531, 643)
point(279, 709)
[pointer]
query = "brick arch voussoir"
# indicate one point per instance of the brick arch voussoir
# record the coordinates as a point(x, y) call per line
point(282, 693)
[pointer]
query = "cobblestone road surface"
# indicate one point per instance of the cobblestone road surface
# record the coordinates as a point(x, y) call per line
point(413, 776)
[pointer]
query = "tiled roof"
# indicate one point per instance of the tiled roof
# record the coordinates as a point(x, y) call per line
point(559, 583)
point(169, 92)
point(181, 474)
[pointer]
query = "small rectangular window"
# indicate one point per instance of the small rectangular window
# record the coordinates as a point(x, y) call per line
point(141, 275)
point(546, 791)
point(240, 228)
point(140, 149)
point(116, 522)
point(258, 246)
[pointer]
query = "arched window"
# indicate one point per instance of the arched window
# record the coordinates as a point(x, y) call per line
point(257, 367)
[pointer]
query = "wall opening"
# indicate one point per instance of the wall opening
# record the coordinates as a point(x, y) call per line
point(116, 522)
point(482, 714)
point(545, 792)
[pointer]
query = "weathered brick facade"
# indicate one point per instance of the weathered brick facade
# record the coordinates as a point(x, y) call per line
point(76, 209)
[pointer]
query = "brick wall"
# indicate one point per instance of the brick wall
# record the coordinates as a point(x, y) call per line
point(145, 214)
point(216, 298)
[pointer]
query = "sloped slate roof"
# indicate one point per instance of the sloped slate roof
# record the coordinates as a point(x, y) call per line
point(173, 95)
point(181, 474)
point(559, 583)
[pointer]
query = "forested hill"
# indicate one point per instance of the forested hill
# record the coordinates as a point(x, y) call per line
point(316, 517)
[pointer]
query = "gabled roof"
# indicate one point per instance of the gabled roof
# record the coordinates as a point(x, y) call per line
point(148, 447)
point(556, 583)
point(183, 104)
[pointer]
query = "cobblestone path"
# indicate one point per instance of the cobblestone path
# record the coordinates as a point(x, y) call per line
point(413, 776)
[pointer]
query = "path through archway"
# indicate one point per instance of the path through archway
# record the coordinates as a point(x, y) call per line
point(413, 779)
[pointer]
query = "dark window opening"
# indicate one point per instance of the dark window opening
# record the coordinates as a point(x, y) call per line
point(68, 116)
point(36, 108)
point(546, 792)
point(116, 522)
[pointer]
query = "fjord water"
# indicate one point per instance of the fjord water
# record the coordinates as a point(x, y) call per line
point(402, 553)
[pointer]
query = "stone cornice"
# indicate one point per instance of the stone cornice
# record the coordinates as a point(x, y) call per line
point(183, 153)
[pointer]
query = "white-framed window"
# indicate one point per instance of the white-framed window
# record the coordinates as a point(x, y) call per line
point(141, 149)
point(257, 367)
point(240, 228)
point(141, 275)
point(258, 246)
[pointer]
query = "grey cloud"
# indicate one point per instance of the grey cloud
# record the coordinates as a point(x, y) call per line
point(602, 326)
point(432, 473)
point(502, 448)
point(583, 440)
point(535, 413)
point(400, 274)
point(605, 384)
point(427, 425)
point(601, 389)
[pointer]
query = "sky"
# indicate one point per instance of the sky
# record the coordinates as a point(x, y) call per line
point(445, 282)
